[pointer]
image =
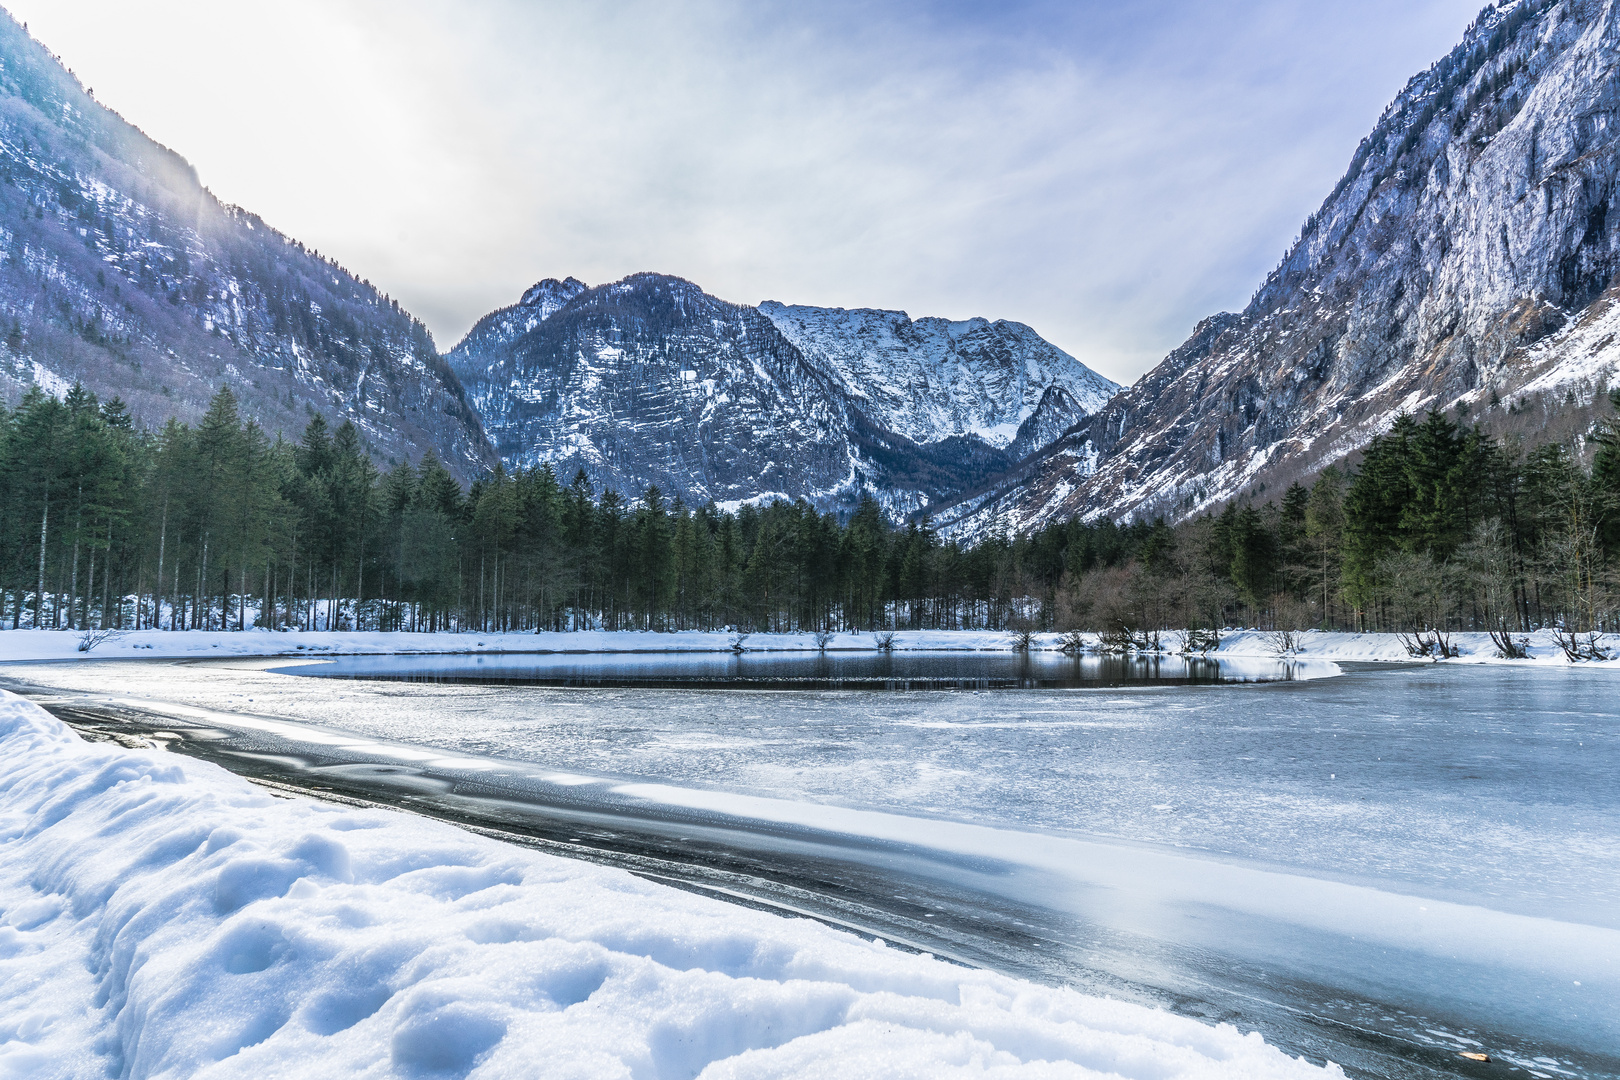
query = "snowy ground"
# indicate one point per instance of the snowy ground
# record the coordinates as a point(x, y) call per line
point(1472, 648)
point(64, 645)
point(161, 917)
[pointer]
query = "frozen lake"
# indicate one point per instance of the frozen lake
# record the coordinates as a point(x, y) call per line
point(1428, 855)
point(1475, 783)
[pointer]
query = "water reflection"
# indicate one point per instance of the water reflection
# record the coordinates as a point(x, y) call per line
point(818, 671)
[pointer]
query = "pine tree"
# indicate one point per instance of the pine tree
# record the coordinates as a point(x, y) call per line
point(1375, 510)
point(35, 486)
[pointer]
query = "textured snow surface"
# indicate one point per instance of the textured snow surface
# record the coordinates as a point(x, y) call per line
point(160, 917)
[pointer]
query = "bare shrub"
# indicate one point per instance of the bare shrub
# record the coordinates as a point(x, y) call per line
point(1487, 560)
point(1121, 638)
point(823, 637)
point(1580, 645)
point(1127, 606)
point(1418, 590)
point(1071, 604)
point(1202, 591)
point(737, 643)
point(1117, 639)
point(1509, 649)
point(1074, 642)
point(1101, 596)
point(1291, 617)
point(1575, 558)
point(1021, 627)
point(91, 638)
point(884, 640)
point(1201, 641)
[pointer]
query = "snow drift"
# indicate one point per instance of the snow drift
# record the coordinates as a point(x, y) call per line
point(161, 917)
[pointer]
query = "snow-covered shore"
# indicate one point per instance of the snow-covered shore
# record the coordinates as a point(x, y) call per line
point(24, 645)
point(1471, 648)
point(162, 917)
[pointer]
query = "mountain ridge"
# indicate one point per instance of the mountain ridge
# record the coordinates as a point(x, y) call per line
point(650, 380)
point(932, 378)
point(1467, 247)
point(119, 270)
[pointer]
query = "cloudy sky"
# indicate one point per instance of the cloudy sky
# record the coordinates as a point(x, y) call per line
point(1108, 172)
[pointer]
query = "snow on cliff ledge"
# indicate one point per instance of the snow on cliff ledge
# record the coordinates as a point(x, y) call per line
point(929, 379)
point(161, 917)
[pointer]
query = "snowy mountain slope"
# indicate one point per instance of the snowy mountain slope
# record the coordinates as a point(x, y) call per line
point(1465, 258)
point(652, 381)
point(929, 379)
point(119, 269)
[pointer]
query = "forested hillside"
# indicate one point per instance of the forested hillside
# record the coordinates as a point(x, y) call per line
point(217, 525)
point(119, 270)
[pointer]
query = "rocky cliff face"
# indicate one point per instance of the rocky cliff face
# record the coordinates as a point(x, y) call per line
point(118, 269)
point(1465, 260)
point(652, 381)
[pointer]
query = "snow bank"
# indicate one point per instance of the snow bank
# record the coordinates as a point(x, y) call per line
point(1472, 648)
point(161, 917)
point(18, 645)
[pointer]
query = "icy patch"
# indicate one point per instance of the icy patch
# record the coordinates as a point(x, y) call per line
point(164, 918)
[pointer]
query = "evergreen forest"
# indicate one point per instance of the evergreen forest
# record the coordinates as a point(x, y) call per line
point(109, 526)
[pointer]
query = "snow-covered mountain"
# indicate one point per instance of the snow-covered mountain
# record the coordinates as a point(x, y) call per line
point(929, 379)
point(652, 381)
point(118, 269)
point(1467, 258)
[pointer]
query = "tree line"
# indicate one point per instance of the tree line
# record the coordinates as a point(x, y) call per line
point(217, 525)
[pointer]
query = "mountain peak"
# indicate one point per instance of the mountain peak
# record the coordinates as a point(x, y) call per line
point(932, 378)
point(1467, 258)
point(651, 380)
point(552, 294)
